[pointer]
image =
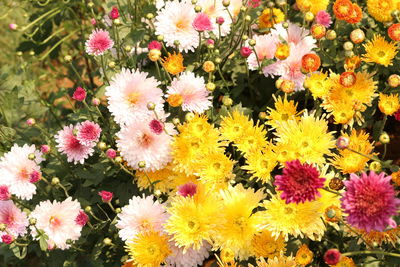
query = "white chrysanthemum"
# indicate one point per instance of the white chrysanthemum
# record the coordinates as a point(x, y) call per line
point(174, 22)
point(57, 220)
point(137, 141)
point(142, 213)
point(16, 170)
point(13, 218)
point(191, 258)
point(193, 91)
point(215, 9)
point(265, 48)
point(129, 93)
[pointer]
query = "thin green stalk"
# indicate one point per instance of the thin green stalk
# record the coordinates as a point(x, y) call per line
point(378, 252)
point(104, 69)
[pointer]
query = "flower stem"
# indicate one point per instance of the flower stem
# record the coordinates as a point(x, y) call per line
point(371, 252)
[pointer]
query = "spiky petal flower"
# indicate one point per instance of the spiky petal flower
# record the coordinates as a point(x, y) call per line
point(88, 133)
point(13, 218)
point(98, 43)
point(299, 182)
point(370, 201)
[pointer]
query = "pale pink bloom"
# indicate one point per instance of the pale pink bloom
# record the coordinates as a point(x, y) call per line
point(219, 17)
point(202, 23)
point(129, 93)
point(16, 169)
point(265, 48)
point(323, 18)
point(192, 88)
point(68, 144)
point(142, 213)
point(88, 133)
point(58, 221)
point(98, 43)
point(189, 258)
point(15, 220)
point(12, 26)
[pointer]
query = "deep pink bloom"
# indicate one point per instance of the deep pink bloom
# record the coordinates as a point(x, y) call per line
point(299, 182)
point(245, 51)
point(188, 189)
point(156, 126)
point(220, 20)
point(154, 45)
point(7, 239)
point(210, 41)
point(397, 115)
point(34, 177)
point(99, 42)
point(202, 23)
point(82, 218)
point(4, 192)
point(93, 21)
point(79, 94)
point(45, 149)
point(332, 256)
point(88, 133)
point(111, 153)
point(106, 196)
point(114, 14)
point(30, 121)
point(323, 18)
point(254, 3)
point(370, 201)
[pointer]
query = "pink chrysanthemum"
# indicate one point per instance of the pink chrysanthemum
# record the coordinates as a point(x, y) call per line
point(370, 201)
point(142, 213)
point(156, 126)
point(88, 133)
point(265, 48)
point(193, 91)
point(99, 42)
point(154, 45)
point(4, 192)
point(82, 218)
point(299, 182)
point(202, 23)
point(7, 239)
point(188, 189)
point(79, 94)
point(16, 169)
point(15, 220)
point(58, 221)
point(68, 144)
point(323, 18)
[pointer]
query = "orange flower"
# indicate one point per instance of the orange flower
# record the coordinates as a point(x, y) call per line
point(318, 31)
point(304, 255)
point(282, 51)
point(343, 9)
point(310, 62)
point(348, 78)
point(352, 63)
point(175, 100)
point(394, 32)
point(355, 16)
point(173, 63)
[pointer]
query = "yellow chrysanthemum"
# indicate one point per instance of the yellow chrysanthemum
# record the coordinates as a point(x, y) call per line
point(215, 170)
point(284, 110)
point(317, 84)
point(376, 238)
point(327, 199)
point(312, 5)
point(148, 249)
point(156, 180)
point(380, 51)
point(173, 63)
point(307, 140)
point(281, 261)
point(388, 104)
point(234, 126)
point(348, 161)
point(270, 17)
point(267, 246)
point(238, 223)
point(260, 163)
point(304, 255)
point(301, 219)
point(344, 262)
point(382, 10)
point(253, 138)
point(342, 112)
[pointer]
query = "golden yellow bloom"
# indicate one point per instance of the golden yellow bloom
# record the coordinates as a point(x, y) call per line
point(389, 104)
point(380, 51)
point(317, 83)
point(234, 126)
point(175, 100)
point(284, 110)
point(282, 51)
point(280, 261)
point(344, 262)
point(381, 10)
point(227, 255)
point(154, 55)
point(304, 255)
point(270, 17)
point(173, 63)
point(254, 138)
point(267, 246)
point(149, 248)
point(396, 178)
point(348, 161)
point(208, 66)
point(342, 112)
point(260, 163)
point(312, 5)
point(376, 238)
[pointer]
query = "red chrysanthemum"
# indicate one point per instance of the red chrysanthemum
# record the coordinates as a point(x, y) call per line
point(299, 182)
point(394, 32)
point(310, 62)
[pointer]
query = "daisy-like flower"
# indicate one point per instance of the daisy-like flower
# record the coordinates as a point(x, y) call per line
point(99, 42)
point(68, 144)
point(214, 10)
point(13, 218)
point(299, 182)
point(380, 51)
point(318, 84)
point(18, 171)
point(265, 48)
point(284, 110)
point(192, 90)
point(129, 93)
point(370, 201)
point(58, 221)
point(137, 142)
point(278, 261)
point(88, 133)
point(389, 104)
point(268, 246)
point(260, 163)
point(381, 10)
point(191, 257)
point(174, 22)
point(269, 17)
point(295, 35)
point(141, 214)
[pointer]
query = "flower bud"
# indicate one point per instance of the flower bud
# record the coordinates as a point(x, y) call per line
point(194, 2)
point(102, 145)
point(7, 239)
point(55, 181)
point(176, 43)
point(348, 46)
point(79, 94)
point(342, 142)
point(19, 53)
point(118, 159)
point(336, 184)
point(252, 42)
point(309, 16)
point(68, 58)
point(114, 14)
point(332, 256)
point(189, 116)
point(151, 106)
point(357, 36)
point(287, 86)
point(210, 86)
point(4, 193)
point(142, 164)
point(96, 102)
point(118, 210)
point(245, 51)
point(88, 209)
point(384, 138)
point(31, 121)
point(331, 35)
point(375, 166)
point(128, 48)
point(111, 64)
point(31, 156)
point(262, 115)
point(160, 38)
point(285, 25)
point(226, 3)
point(227, 101)
point(13, 26)
point(107, 241)
point(394, 80)
point(106, 196)
point(111, 153)
point(220, 20)
point(318, 31)
point(90, 4)
point(247, 18)
point(154, 55)
point(149, 16)
point(197, 9)
point(3, 227)
point(176, 121)
point(208, 66)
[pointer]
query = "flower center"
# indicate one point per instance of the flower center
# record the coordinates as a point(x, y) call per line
point(146, 140)
point(54, 221)
point(133, 98)
point(181, 24)
point(24, 174)
point(381, 54)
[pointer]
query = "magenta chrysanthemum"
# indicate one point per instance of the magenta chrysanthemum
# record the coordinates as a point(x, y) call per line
point(99, 42)
point(299, 182)
point(370, 201)
point(202, 23)
point(88, 132)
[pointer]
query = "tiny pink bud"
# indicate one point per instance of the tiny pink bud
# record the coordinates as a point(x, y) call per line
point(82, 218)
point(111, 153)
point(220, 20)
point(245, 51)
point(210, 42)
point(34, 176)
point(332, 256)
point(106, 196)
point(4, 192)
point(188, 189)
point(154, 45)
point(45, 149)
point(7, 239)
point(12, 26)
point(156, 126)
point(342, 142)
point(114, 14)
point(96, 102)
point(79, 94)
point(30, 121)
point(93, 21)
